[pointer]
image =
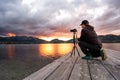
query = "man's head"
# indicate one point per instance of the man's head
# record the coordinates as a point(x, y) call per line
point(84, 23)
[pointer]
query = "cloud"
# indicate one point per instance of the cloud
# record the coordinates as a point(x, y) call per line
point(52, 18)
point(108, 23)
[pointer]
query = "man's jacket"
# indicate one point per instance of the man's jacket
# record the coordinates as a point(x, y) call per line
point(89, 35)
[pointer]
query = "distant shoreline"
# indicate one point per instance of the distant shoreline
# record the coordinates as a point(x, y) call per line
point(32, 40)
point(54, 43)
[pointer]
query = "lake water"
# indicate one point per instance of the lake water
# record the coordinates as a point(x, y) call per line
point(17, 61)
point(33, 51)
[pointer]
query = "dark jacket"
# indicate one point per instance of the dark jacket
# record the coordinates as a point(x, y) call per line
point(89, 35)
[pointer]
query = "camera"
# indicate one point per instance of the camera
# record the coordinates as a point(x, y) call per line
point(73, 30)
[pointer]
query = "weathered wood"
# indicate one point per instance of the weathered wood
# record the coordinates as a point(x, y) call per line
point(98, 72)
point(67, 73)
point(113, 53)
point(80, 71)
point(74, 68)
point(114, 70)
point(45, 71)
point(112, 64)
point(63, 72)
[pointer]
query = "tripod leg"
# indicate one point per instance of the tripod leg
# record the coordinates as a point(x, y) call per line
point(78, 51)
point(72, 52)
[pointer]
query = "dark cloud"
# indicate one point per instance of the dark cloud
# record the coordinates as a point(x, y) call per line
point(113, 3)
point(48, 17)
point(109, 21)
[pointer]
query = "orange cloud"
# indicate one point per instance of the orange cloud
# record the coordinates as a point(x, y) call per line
point(11, 34)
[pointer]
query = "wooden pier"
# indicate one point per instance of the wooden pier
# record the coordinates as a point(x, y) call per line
point(74, 68)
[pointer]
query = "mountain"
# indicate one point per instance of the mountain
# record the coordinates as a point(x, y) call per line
point(21, 40)
point(32, 40)
point(110, 38)
point(70, 41)
point(57, 41)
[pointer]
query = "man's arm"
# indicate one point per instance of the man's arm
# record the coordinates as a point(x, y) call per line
point(83, 35)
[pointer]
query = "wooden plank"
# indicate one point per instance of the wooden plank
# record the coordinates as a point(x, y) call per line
point(68, 71)
point(114, 70)
point(45, 71)
point(39, 75)
point(113, 60)
point(57, 73)
point(67, 68)
point(113, 53)
point(98, 71)
point(113, 57)
point(62, 73)
point(80, 71)
point(112, 64)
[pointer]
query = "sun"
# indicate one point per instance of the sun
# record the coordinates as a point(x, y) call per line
point(54, 37)
point(47, 38)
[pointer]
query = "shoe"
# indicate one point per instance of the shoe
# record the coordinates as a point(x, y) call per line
point(87, 57)
point(103, 54)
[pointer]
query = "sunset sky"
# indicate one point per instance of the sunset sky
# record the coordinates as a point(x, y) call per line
point(48, 19)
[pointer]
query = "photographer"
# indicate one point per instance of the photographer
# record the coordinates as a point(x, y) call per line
point(89, 42)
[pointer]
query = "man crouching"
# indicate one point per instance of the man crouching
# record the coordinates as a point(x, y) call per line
point(89, 42)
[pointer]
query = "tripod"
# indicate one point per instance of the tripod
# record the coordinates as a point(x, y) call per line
point(75, 44)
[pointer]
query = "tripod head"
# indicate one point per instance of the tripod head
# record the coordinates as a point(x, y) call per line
point(73, 30)
point(74, 35)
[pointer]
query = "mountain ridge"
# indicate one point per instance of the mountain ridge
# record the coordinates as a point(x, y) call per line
point(33, 40)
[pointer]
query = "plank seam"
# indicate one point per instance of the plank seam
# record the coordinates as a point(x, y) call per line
point(55, 69)
point(109, 71)
point(89, 70)
point(72, 69)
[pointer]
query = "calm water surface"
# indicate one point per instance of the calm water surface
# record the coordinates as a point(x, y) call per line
point(34, 51)
point(21, 60)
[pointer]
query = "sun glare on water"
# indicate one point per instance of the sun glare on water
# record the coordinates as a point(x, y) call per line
point(54, 50)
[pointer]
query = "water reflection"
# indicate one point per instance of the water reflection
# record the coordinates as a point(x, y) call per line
point(11, 51)
point(64, 49)
point(46, 50)
point(54, 50)
point(37, 51)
